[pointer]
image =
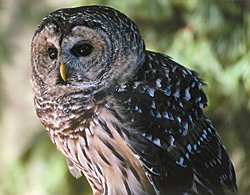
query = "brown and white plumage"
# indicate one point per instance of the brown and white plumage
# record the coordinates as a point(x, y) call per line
point(129, 119)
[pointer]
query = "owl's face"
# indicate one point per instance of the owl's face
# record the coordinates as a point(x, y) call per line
point(88, 48)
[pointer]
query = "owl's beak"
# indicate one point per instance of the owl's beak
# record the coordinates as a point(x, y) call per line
point(63, 71)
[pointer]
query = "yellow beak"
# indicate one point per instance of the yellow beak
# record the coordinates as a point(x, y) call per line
point(63, 72)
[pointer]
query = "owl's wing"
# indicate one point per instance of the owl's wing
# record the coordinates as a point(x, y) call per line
point(175, 141)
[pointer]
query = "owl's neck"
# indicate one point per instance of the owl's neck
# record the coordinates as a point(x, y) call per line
point(56, 111)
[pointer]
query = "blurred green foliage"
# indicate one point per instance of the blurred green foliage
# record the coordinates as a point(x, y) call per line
point(210, 36)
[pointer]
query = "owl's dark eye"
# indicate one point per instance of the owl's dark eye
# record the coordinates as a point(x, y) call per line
point(82, 49)
point(52, 53)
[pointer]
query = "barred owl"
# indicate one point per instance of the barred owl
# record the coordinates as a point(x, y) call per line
point(129, 119)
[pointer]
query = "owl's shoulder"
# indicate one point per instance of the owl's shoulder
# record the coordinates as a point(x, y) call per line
point(175, 81)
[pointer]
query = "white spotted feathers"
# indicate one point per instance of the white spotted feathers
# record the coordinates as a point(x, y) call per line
point(164, 105)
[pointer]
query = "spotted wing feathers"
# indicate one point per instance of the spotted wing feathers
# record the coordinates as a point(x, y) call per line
point(176, 142)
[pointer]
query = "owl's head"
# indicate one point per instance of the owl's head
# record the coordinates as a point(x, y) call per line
point(89, 49)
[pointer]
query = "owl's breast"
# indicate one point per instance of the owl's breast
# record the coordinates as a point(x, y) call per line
point(92, 139)
point(108, 158)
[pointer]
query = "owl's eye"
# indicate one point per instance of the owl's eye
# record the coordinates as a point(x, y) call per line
point(52, 53)
point(82, 49)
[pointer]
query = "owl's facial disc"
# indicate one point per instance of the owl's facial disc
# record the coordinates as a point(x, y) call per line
point(85, 49)
point(79, 57)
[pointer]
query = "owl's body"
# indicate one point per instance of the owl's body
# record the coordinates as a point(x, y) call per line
point(129, 119)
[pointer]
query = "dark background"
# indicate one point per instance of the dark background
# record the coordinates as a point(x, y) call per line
point(210, 36)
